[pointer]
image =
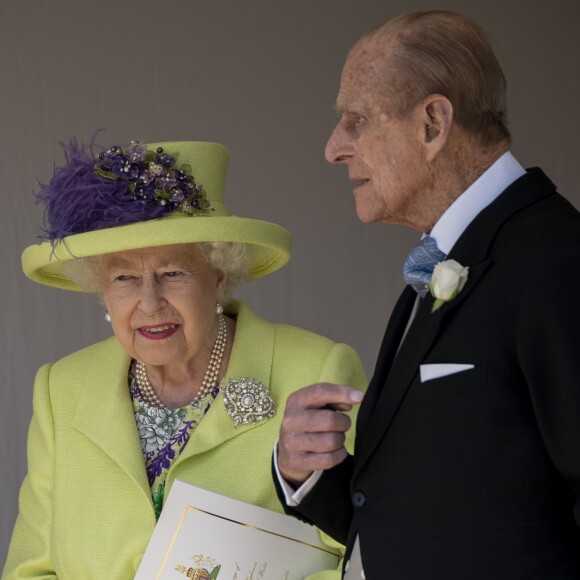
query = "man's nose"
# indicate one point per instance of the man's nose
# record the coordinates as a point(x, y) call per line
point(339, 146)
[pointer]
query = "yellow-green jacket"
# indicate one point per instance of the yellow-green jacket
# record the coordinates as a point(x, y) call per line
point(85, 508)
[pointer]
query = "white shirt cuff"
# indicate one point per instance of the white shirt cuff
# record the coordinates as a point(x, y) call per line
point(294, 497)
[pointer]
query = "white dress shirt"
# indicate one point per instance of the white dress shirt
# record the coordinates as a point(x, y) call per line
point(481, 193)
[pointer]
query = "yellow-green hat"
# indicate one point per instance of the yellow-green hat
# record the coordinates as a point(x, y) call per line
point(141, 197)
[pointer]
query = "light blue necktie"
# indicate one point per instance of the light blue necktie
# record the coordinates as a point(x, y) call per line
point(418, 267)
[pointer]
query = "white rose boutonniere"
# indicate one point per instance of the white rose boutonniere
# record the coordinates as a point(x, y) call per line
point(449, 278)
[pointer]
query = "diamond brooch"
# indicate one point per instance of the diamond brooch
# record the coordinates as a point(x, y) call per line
point(247, 401)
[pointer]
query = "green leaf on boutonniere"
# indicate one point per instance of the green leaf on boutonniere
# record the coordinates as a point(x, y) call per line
point(437, 304)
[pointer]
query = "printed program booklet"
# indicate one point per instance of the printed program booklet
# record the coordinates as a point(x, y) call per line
point(207, 536)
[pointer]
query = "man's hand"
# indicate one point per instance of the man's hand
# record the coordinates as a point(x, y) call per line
point(313, 433)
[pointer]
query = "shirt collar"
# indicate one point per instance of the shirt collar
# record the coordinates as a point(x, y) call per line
point(489, 185)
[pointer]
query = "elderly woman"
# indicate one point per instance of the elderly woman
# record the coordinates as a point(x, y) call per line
point(191, 385)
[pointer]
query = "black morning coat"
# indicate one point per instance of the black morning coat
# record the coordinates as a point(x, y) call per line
point(475, 475)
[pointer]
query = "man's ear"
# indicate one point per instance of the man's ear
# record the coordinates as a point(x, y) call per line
point(437, 117)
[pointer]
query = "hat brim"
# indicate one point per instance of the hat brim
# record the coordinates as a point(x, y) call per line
point(269, 244)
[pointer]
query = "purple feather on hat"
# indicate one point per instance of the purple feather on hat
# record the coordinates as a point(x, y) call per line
point(78, 200)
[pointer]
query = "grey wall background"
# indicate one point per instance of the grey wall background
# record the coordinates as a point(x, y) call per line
point(261, 77)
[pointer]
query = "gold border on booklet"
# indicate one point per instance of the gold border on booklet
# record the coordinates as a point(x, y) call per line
point(190, 507)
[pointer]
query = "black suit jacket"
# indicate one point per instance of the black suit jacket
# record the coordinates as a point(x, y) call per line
point(475, 475)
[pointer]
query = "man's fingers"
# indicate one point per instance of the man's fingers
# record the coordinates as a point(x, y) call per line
point(312, 442)
point(324, 395)
point(312, 434)
point(314, 421)
point(311, 462)
point(298, 467)
point(339, 406)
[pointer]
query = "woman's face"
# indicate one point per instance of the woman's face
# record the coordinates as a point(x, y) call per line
point(162, 302)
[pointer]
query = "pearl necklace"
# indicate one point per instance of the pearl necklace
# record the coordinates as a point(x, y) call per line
point(209, 381)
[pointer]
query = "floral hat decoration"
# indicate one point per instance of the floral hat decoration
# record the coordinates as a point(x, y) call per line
point(140, 196)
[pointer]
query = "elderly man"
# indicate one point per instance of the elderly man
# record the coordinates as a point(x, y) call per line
point(467, 456)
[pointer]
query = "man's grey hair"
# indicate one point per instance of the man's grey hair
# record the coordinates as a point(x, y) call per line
point(441, 52)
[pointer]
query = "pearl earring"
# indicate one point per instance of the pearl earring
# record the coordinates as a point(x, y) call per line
point(219, 309)
point(107, 317)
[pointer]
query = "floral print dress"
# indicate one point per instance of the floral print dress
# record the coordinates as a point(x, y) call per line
point(164, 434)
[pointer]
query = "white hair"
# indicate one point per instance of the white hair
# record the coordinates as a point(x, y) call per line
point(229, 257)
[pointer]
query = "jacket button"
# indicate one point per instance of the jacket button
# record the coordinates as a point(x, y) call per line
point(358, 499)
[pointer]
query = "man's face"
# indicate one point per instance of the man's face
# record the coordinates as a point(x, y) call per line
point(383, 153)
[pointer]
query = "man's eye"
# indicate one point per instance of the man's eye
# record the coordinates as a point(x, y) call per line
point(123, 277)
point(172, 274)
point(354, 121)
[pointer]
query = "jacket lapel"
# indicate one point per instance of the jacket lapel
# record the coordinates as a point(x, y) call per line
point(251, 356)
point(416, 345)
point(472, 249)
point(391, 341)
point(108, 421)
